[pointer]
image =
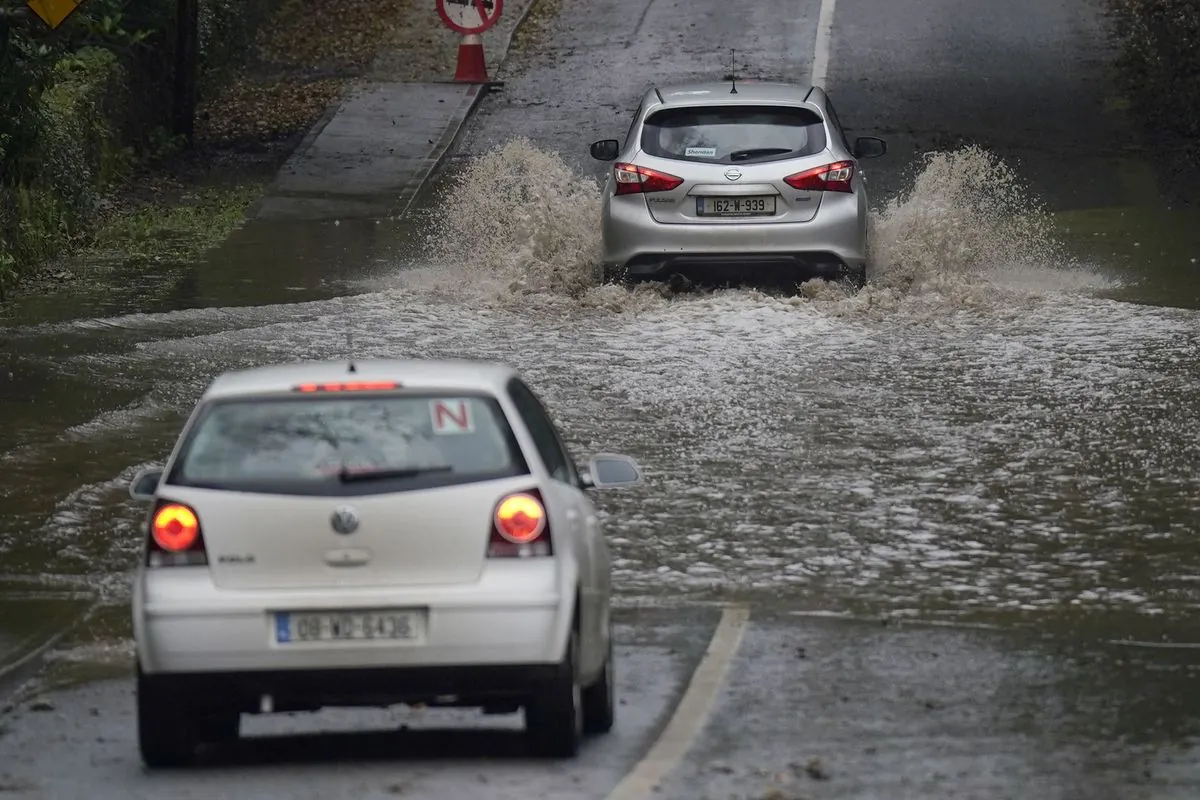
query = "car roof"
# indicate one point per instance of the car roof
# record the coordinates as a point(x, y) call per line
point(460, 374)
point(718, 92)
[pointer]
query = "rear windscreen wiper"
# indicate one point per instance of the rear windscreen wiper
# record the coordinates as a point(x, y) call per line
point(346, 476)
point(742, 155)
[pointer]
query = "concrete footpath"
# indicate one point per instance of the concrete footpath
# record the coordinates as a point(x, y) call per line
point(373, 150)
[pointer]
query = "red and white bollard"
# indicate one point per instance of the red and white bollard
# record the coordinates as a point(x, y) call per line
point(472, 68)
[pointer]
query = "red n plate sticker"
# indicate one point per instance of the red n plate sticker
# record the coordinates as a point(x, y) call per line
point(469, 16)
point(451, 416)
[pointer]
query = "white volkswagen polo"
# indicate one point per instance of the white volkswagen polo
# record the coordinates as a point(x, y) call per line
point(374, 533)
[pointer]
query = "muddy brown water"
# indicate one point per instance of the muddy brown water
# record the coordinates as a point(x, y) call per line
point(1011, 443)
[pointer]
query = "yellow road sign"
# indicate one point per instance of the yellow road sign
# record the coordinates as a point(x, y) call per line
point(53, 12)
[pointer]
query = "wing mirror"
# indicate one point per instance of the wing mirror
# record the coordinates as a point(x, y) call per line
point(869, 147)
point(609, 471)
point(606, 150)
point(145, 484)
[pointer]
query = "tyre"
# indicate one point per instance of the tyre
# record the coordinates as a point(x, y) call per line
point(599, 711)
point(616, 276)
point(167, 737)
point(218, 727)
point(854, 277)
point(554, 716)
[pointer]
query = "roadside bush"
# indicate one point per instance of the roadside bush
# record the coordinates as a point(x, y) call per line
point(76, 154)
point(1160, 60)
point(74, 97)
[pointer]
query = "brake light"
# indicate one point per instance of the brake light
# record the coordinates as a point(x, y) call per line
point(632, 179)
point(520, 527)
point(833, 177)
point(175, 537)
point(351, 386)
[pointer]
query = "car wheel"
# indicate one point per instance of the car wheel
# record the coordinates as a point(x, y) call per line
point(167, 737)
point(554, 716)
point(219, 727)
point(598, 708)
point(617, 276)
point(854, 277)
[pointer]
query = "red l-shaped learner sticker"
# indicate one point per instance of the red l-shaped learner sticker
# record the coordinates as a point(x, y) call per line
point(469, 16)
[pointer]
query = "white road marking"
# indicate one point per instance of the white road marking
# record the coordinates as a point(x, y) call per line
point(691, 713)
point(820, 62)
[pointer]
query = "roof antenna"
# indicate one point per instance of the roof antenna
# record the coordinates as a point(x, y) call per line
point(350, 348)
point(733, 70)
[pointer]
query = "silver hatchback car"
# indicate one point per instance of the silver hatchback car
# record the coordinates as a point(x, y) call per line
point(733, 182)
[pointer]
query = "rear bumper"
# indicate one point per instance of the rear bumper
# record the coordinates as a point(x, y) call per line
point(516, 614)
point(833, 244)
point(737, 267)
point(310, 690)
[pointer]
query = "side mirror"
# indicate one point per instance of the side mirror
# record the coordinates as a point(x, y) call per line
point(606, 150)
point(869, 147)
point(145, 484)
point(609, 471)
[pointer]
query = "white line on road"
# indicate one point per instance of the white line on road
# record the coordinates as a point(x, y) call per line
point(820, 62)
point(692, 711)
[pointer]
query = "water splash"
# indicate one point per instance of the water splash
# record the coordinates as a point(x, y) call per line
point(519, 226)
point(520, 221)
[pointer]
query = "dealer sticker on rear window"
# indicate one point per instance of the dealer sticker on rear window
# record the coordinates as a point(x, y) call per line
point(451, 416)
point(701, 152)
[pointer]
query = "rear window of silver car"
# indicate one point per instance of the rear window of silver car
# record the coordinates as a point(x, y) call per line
point(335, 446)
point(733, 134)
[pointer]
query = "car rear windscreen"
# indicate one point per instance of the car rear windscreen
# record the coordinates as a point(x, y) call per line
point(733, 134)
point(348, 445)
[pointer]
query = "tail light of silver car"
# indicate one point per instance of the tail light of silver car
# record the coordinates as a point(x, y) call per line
point(833, 177)
point(520, 527)
point(175, 538)
point(632, 179)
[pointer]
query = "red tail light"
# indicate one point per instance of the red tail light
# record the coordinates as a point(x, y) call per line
point(632, 179)
point(833, 177)
point(175, 537)
point(520, 527)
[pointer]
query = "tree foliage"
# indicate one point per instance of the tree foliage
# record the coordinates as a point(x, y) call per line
point(73, 100)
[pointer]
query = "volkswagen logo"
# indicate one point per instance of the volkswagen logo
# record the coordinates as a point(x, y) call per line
point(733, 173)
point(344, 520)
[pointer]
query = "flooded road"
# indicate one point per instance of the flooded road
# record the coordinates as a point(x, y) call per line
point(962, 439)
point(999, 430)
point(991, 429)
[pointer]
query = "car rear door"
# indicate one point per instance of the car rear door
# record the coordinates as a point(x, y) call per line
point(721, 157)
point(270, 519)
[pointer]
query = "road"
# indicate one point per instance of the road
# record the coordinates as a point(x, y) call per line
point(981, 438)
point(803, 707)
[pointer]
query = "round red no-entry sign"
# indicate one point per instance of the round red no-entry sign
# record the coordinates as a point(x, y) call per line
point(469, 16)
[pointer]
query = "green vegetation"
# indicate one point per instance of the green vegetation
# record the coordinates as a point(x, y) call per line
point(88, 102)
point(174, 232)
point(1160, 61)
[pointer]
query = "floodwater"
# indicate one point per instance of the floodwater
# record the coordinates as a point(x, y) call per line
point(1000, 428)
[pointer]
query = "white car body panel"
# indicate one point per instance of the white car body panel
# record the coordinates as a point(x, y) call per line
point(415, 549)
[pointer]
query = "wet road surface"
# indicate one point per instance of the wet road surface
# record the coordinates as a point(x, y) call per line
point(985, 434)
point(808, 708)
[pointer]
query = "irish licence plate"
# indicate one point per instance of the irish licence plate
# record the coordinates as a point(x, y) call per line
point(349, 626)
point(735, 206)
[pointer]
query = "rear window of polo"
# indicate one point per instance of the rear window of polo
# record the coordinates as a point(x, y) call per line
point(225, 464)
